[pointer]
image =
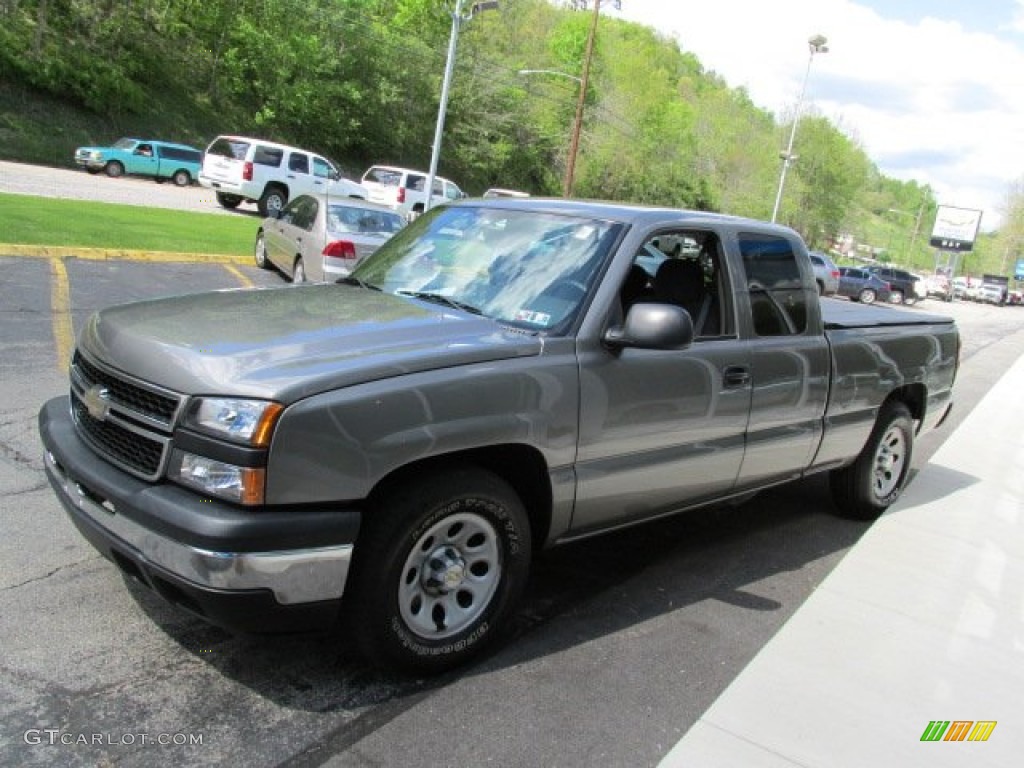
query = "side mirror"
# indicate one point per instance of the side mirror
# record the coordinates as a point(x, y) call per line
point(652, 326)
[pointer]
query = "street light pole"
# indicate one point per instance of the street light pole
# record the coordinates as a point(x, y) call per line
point(817, 44)
point(577, 126)
point(449, 68)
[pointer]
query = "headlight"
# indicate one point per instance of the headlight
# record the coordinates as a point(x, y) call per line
point(243, 421)
point(243, 485)
point(97, 155)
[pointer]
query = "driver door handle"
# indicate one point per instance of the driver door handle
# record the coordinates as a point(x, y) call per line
point(736, 376)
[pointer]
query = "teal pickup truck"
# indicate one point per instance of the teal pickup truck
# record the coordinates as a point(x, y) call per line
point(142, 157)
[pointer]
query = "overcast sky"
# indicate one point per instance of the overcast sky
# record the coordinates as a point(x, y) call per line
point(933, 90)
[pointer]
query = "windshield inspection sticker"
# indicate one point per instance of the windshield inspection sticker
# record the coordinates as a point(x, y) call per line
point(534, 318)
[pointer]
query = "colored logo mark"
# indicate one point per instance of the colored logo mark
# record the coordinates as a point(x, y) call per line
point(958, 730)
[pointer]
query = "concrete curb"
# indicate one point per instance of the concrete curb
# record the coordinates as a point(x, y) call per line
point(117, 254)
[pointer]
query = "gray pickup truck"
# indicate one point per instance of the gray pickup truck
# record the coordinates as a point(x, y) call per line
point(502, 375)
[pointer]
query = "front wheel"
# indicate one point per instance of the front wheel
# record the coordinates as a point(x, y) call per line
point(439, 569)
point(113, 169)
point(865, 489)
point(260, 251)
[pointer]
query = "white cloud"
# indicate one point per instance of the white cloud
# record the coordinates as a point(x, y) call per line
point(928, 101)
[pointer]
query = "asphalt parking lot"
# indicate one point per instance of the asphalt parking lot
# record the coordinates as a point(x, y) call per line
point(623, 642)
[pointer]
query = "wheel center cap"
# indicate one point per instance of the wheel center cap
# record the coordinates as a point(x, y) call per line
point(443, 571)
point(885, 462)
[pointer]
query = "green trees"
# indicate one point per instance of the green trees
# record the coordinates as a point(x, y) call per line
point(360, 80)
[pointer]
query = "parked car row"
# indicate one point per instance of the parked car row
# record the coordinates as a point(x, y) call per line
point(241, 169)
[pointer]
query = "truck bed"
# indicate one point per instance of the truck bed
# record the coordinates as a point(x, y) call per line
point(839, 314)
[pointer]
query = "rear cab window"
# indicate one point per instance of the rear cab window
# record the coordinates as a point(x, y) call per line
point(229, 148)
point(778, 296)
point(383, 176)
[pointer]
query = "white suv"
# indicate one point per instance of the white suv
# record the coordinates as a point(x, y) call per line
point(241, 169)
point(403, 189)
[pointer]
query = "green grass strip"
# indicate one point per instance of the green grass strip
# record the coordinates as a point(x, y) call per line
point(49, 221)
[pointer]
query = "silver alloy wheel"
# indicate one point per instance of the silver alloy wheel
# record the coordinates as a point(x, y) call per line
point(450, 576)
point(867, 296)
point(889, 460)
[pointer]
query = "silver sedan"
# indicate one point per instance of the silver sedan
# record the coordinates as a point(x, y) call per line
point(321, 238)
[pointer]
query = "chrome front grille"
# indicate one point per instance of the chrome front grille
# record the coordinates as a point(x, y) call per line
point(127, 421)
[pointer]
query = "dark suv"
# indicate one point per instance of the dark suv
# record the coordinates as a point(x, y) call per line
point(901, 282)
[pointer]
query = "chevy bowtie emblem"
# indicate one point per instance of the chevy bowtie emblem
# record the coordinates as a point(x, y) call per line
point(97, 401)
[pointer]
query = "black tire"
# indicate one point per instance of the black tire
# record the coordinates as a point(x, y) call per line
point(867, 296)
point(228, 201)
point(113, 169)
point(821, 288)
point(273, 199)
point(298, 272)
point(181, 178)
point(260, 251)
point(865, 489)
point(909, 300)
point(440, 566)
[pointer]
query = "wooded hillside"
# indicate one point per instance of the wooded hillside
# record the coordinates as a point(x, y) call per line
point(360, 81)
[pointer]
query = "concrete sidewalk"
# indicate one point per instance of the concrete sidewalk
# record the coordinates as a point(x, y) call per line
point(922, 621)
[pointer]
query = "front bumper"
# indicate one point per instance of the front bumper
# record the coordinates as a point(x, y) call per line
point(90, 163)
point(246, 570)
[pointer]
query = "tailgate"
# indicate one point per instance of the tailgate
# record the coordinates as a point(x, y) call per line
point(223, 169)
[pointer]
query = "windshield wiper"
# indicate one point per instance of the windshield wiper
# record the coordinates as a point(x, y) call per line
point(356, 281)
point(437, 298)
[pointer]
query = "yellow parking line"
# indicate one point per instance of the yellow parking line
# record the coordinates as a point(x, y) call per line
point(245, 281)
point(60, 309)
point(111, 254)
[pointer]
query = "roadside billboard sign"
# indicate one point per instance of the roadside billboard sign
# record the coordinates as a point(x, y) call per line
point(955, 228)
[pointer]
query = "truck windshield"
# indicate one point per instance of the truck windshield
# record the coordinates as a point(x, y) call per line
point(524, 268)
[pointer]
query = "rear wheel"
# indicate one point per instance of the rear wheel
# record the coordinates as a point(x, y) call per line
point(896, 297)
point(867, 296)
point(298, 272)
point(866, 488)
point(113, 169)
point(181, 178)
point(273, 200)
point(440, 566)
point(228, 201)
point(910, 299)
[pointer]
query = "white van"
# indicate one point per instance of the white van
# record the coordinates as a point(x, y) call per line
point(242, 169)
point(402, 189)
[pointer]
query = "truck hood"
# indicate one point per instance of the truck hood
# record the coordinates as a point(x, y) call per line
point(289, 343)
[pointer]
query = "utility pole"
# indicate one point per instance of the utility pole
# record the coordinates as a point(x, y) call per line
point(577, 126)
